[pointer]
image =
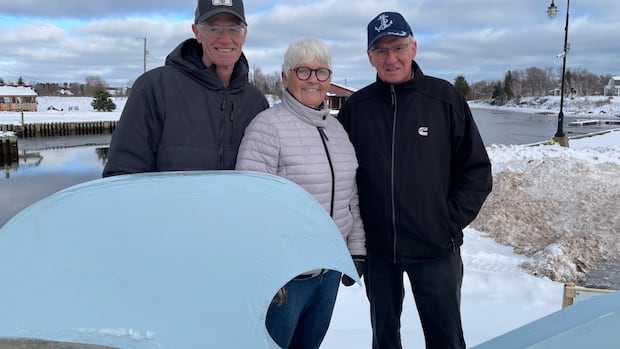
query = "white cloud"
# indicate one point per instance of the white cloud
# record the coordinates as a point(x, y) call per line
point(481, 40)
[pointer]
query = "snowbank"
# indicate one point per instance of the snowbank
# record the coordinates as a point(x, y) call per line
point(556, 205)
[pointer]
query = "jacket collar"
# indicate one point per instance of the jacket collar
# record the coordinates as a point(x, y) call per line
point(187, 57)
point(312, 116)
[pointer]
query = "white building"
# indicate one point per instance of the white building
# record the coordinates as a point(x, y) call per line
point(613, 87)
point(18, 98)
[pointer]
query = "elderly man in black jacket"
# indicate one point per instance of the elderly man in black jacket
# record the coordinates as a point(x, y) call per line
point(191, 113)
point(423, 176)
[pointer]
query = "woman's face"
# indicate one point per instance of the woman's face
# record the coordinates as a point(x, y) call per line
point(309, 90)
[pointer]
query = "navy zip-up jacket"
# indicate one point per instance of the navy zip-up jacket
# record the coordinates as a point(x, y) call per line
point(423, 172)
point(181, 117)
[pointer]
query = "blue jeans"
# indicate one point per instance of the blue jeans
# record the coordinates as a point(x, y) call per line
point(303, 320)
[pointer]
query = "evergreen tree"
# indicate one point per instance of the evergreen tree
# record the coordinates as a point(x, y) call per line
point(499, 94)
point(462, 85)
point(102, 101)
point(20, 81)
point(508, 90)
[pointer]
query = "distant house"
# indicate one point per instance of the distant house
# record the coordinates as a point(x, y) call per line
point(337, 95)
point(613, 87)
point(18, 98)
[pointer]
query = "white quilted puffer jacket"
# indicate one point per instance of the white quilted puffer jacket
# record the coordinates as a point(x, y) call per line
point(311, 148)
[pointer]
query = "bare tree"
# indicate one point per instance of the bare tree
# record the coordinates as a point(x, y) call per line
point(518, 77)
point(93, 84)
point(586, 83)
point(482, 89)
point(274, 81)
point(537, 81)
point(268, 84)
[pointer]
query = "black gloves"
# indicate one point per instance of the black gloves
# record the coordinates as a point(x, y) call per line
point(280, 297)
point(360, 266)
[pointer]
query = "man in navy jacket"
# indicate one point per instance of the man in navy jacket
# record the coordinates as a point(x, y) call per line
point(423, 176)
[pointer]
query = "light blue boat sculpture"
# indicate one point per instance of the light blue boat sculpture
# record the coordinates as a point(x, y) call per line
point(160, 260)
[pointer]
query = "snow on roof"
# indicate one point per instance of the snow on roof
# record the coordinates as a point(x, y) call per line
point(344, 87)
point(17, 91)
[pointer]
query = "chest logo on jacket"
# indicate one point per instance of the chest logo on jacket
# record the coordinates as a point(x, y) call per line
point(423, 131)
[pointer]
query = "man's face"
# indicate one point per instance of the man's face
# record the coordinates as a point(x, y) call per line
point(222, 48)
point(391, 56)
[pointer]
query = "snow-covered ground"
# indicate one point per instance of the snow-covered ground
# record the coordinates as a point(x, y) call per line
point(600, 107)
point(57, 109)
point(551, 216)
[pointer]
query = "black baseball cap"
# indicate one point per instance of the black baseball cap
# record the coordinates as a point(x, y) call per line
point(208, 8)
point(387, 24)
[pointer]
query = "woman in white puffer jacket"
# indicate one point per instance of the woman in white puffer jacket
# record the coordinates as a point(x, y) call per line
point(298, 139)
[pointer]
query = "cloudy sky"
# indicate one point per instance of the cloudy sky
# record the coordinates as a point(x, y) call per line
point(68, 40)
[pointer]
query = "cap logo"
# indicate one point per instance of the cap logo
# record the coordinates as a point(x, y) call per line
point(385, 23)
point(221, 2)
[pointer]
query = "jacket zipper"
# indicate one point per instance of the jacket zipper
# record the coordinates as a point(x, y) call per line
point(221, 150)
point(324, 139)
point(393, 155)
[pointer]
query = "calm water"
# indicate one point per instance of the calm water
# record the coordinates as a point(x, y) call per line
point(47, 165)
point(506, 127)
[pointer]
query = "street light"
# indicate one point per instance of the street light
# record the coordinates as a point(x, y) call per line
point(560, 137)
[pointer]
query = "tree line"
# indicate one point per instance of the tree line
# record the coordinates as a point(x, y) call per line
point(533, 82)
point(92, 85)
point(89, 88)
point(529, 82)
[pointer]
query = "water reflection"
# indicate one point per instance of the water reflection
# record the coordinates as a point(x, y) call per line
point(24, 159)
point(72, 159)
point(45, 166)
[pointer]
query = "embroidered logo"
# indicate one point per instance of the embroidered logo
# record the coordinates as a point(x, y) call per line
point(400, 33)
point(221, 2)
point(385, 23)
point(423, 131)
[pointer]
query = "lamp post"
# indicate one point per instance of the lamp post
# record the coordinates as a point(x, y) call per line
point(560, 137)
point(145, 54)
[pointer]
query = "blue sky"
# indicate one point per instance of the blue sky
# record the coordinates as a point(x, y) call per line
point(66, 41)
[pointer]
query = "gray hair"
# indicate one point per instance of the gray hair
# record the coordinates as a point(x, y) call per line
point(306, 51)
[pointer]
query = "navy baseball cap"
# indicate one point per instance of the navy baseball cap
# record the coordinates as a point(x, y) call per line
point(387, 23)
point(208, 8)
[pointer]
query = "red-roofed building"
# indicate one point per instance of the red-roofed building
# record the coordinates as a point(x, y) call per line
point(337, 95)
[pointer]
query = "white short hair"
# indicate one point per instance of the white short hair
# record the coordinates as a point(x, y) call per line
point(306, 51)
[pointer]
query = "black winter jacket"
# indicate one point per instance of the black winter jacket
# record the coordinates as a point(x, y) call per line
point(181, 117)
point(423, 172)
